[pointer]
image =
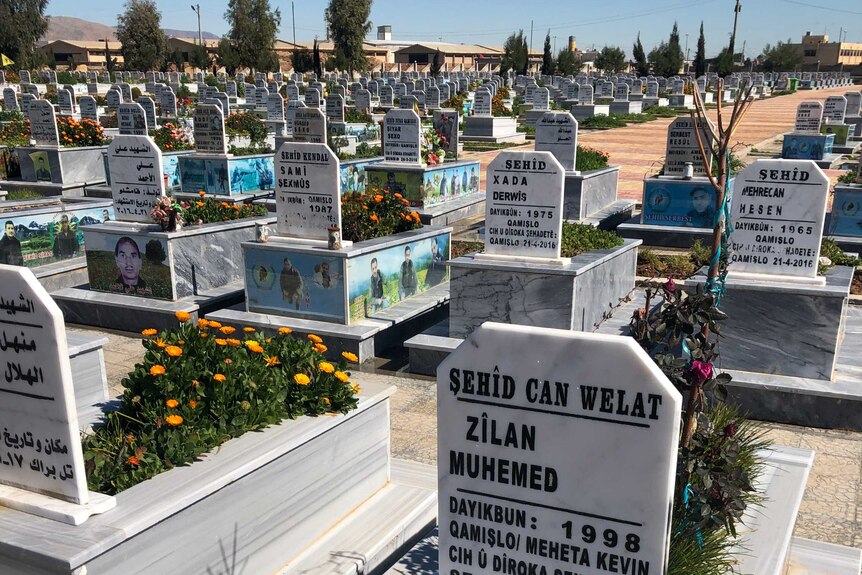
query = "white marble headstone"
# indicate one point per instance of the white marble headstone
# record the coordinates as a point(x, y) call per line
point(682, 148)
point(137, 180)
point(132, 120)
point(575, 433)
point(209, 130)
point(524, 205)
point(557, 132)
point(482, 103)
point(402, 130)
point(10, 100)
point(362, 100)
point(777, 212)
point(309, 126)
point(834, 109)
point(312, 97)
point(541, 99)
point(335, 108)
point(43, 123)
point(149, 111)
point(275, 108)
point(809, 114)
point(89, 109)
point(307, 190)
point(585, 95)
point(854, 103)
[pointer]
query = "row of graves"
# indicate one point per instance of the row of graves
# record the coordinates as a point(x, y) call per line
point(826, 131)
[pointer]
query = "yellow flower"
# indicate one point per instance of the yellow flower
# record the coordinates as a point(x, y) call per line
point(203, 324)
point(326, 401)
point(205, 335)
point(301, 379)
point(315, 338)
point(202, 193)
point(221, 342)
point(320, 348)
point(285, 331)
point(325, 367)
point(193, 404)
point(228, 361)
point(248, 329)
point(233, 342)
point(161, 343)
point(174, 420)
point(219, 377)
point(174, 351)
point(215, 324)
point(350, 356)
point(172, 403)
point(271, 360)
point(342, 377)
point(199, 204)
point(355, 388)
point(253, 346)
point(149, 332)
point(157, 370)
point(195, 383)
point(245, 405)
point(227, 330)
point(183, 316)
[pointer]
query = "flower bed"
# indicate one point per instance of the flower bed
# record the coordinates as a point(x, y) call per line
point(202, 384)
point(172, 214)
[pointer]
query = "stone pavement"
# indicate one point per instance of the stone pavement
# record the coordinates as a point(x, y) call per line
point(831, 509)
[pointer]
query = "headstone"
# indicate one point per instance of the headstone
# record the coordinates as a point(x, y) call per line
point(307, 190)
point(260, 95)
point(26, 100)
point(89, 109)
point(834, 109)
point(402, 130)
point(334, 109)
point(312, 97)
point(446, 124)
point(585, 95)
point(113, 99)
point(524, 205)
point(223, 99)
point(651, 90)
point(778, 211)
point(362, 100)
point(132, 120)
point(541, 99)
point(230, 89)
point(24, 76)
point(41, 451)
point(209, 130)
point(137, 180)
point(482, 103)
point(292, 91)
point(678, 87)
point(445, 93)
point(621, 92)
point(290, 109)
point(250, 94)
point(66, 101)
point(387, 99)
point(557, 132)
point(854, 103)
point(682, 148)
point(309, 125)
point(126, 91)
point(10, 100)
point(809, 114)
point(432, 98)
point(571, 436)
point(275, 108)
point(149, 111)
point(43, 124)
point(419, 97)
point(168, 101)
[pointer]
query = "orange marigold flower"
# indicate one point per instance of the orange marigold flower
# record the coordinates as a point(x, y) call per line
point(202, 193)
point(172, 403)
point(219, 377)
point(315, 338)
point(205, 335)
point(415, 216)
point(374, 218)
point(130, 438)
point(215, 324)
point(199, 204)
point(285, 331)
point(161, 343)
point(203, 324)
point(148, 332)
point(228, 361)
point(355, 388)
point(326, 367)
point(233, 342)
point(183, 316)
point(342, 377)
point(320, 348)
point(174, 351)
point(196, 384)
point(221, 342)
point(399, 196)
point(227, 330)
point(248, 329)
point(133, 461)
point(174, 420)
point(271, 360)
point(157, 370)
point(378, 198)
point(326, 401)
point(193, 404)
point(350, 356)
point(301, 379)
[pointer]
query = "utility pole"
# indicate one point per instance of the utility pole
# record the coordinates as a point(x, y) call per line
point(197, 9)
point(531, 39)
point(293, 17)
point(733, 36)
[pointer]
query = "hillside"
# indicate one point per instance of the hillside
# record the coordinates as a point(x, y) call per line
point(69, 28)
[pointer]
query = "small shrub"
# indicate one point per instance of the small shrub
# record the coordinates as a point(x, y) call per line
point(246, 124)
point(588, 159)
point(850, 177)
point(15, 132)
point(354, 116)
point(80, 133)
point(171, 139)
point(376, 214)
point(579, 238)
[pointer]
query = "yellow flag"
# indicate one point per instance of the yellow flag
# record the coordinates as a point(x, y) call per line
point(5, 60)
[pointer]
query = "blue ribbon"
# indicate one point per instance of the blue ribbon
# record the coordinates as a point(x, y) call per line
point(686, 494)
point(716, 285)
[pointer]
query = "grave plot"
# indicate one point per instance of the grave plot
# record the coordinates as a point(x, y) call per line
point(806, 142)
point(845, 221)
point(355, 267)
point(488, 125)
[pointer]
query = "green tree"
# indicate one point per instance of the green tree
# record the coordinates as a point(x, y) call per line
point(302, 60)
point(724, 62)
point(611, 59)
point(315, 59)
point(139, 29)
point(24, 23)
point(568, 63)
point(436, 64)
point(700, 56)
point(548, 64)
point(348, 25)
point(199, 58)
point(227, 56)
point(514, 54)
point(667, 58)
point(252, 29)
point(639, 56)
point(110, 63)
point(782, 57)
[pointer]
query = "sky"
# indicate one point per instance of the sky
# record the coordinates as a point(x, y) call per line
point(491, 21)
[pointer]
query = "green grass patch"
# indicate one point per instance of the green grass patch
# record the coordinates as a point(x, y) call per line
point(580, 238)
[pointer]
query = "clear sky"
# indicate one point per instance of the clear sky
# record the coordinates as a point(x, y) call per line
point(593, 23)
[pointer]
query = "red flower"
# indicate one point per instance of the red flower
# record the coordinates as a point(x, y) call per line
point(670, 285)
point(699, 372)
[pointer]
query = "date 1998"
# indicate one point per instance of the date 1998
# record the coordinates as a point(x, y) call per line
point(610, 538)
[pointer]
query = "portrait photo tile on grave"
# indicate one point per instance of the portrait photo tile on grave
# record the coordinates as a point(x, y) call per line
point(572, 436)
point(42, 470)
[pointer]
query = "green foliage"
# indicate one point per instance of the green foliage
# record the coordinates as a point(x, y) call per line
point(228, 57)
point(667, 58)
point(24, 23)
point(209, 210)
point(568, 63)
point(724, 63)
point(515, 54)
point(548, 64)
point(850, 177)
point(580, 238)
point(251, 35)
point(701, 255)
point(136, 93)
point(639, 56)
point(202, 384)
point(66, 78)
point(249, 151)
point(302, 60)
point(354, 116)
point(246, 124)
point(23, 194)
point(363, 150)
point(199, 58)
point(700, 55)
point(376, 214)
point(15, 131)
point(155, 252)
point(436, 64)
point(348, 25)
point(611, 59)
point(829, 249)
point(171, 139)
point(140, 31)
point(781, 57)
point(588, 159)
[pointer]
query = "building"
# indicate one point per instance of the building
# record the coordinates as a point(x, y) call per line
point(81, 54)
point(185, 45)
point(819, 53)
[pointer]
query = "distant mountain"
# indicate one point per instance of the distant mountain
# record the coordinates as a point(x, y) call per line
point(69, 28)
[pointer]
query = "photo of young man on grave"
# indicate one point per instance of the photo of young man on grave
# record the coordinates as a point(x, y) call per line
point(408, 282)
point(702, 212)
point(133, 265)
point(106, 216)
point(41, 166)
point(436, 268)
point(408, 184)
point(377, 299)
point(323, 277)
point(291, 284)
point(65, 239)
point(10, 247)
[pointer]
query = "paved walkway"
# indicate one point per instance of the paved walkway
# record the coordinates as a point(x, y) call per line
point(831, 510)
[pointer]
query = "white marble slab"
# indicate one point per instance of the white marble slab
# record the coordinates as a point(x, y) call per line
point(482, 103)
point(557, 132)
point(834, 109)
point(137, 182)
point(209, 131)
point(131, 119)
point(809, 114)
point(682, 147)
point(309, 125)
point(307, 190)
point(43, 123)
point(402, 130)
